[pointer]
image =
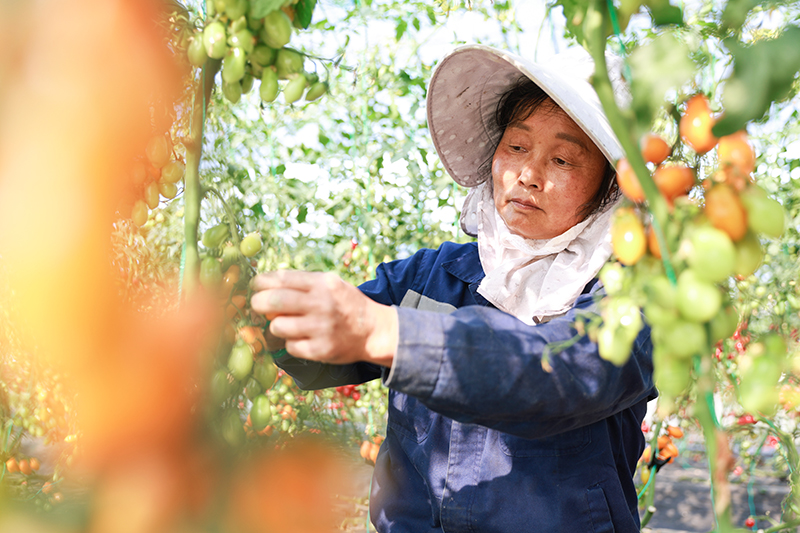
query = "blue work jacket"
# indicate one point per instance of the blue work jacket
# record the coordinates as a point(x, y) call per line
point(479, 437)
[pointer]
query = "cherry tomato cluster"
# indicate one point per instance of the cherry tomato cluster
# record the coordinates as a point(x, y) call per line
point(667, 452)
point(713, 234)
point(156, 174)
point(369, 449)
point(250, 40)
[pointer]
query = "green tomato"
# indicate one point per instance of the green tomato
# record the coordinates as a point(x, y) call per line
point(764, 214)
point(261, 412)
point(265, 372)
point(263, 55)
point(139, 213)
point(672, 375)
point(277, 29)
point(252, 388)
point(243, 39)
point(233, 67)
point(247, 83)
point(232, 91)
point(287, 62)
point(294, 89)
point(749, 254)
point(661, 291)
point(613, 276)
point(317, 90)
point(167, 190)
point(758, 387)
point(215, 40)
point(614, 345)
point(713, 256)
point(211, 8)
point(215, 235)
point(269, 85)
point(221, 387)
point(151, 194)
point(210, 272)
point(173, 172)
point(240, 362)
point(250, 245)
point(236, 8)
point(196, 51)
point(698, 300)
point(230, 256)
point(724, 324)
point(657, 315)
point(683, 339)
point(232, 428)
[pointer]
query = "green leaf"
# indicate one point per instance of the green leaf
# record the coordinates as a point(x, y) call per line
point(302, 212)
point(402, 26)
point(736, 11)
point(763, 73)
point(664, 13)
point(657, 67)
point(303, 11)
point(262, 8)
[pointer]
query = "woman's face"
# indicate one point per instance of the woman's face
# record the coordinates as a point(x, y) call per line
point(544, 171)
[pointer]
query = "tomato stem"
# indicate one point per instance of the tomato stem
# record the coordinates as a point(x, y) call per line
point(193, 192)
point(624, 126)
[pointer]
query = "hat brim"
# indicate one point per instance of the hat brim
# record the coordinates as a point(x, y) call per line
point(462, 100)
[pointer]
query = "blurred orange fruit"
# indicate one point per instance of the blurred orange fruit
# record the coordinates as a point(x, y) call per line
point(696, 123)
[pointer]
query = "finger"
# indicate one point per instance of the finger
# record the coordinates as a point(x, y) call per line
point(297, 327)
point(275, 302)
point(310, 349)
point(292, 279)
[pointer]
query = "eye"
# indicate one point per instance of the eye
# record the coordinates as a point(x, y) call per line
point(560, 162)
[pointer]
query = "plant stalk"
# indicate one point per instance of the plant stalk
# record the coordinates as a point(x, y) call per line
point(193, 192)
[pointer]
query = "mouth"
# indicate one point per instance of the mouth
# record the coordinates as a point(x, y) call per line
point(524, 204)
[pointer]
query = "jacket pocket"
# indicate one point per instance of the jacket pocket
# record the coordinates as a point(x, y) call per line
point(409, 417)
point(598, 510)
point(567, 443)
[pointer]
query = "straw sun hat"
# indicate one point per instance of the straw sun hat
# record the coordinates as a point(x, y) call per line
point(467, 85)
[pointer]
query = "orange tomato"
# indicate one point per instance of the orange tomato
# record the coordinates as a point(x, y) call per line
point(12, 466)
point(35, 464)
point(737, 160)
point(25, 467)
point(696, 123)
point(674, 180)
point(663, 440)
point(725, 211)
point(670, 451)
point(373, 453)
point(47, 487)
point(654, 148)
point(646, 454)
point(652, 243)
point(627, 236)
point(675, 432)
point(628, 182)
point(230, 278)
point(365, 449)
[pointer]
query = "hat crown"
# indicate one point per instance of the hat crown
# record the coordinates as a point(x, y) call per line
point(465, 90)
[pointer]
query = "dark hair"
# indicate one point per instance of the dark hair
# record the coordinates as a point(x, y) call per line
point(521, 101)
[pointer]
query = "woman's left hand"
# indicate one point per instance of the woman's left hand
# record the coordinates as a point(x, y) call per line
point(323, 318)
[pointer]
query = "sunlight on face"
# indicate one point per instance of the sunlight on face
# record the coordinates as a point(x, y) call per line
point(544, 171)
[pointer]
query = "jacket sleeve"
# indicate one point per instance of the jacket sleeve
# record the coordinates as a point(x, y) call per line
point(480, 365)
point(389, 286)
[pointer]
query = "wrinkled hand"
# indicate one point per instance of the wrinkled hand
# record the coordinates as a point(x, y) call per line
point(323, 318)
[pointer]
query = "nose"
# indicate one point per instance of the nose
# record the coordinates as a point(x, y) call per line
point(530, 174)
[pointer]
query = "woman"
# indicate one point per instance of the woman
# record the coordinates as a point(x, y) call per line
point(480, 436)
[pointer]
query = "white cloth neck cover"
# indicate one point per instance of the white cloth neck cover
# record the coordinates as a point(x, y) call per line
point(534, 280)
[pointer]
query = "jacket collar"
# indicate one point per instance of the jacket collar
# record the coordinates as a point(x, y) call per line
point(467, 265)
